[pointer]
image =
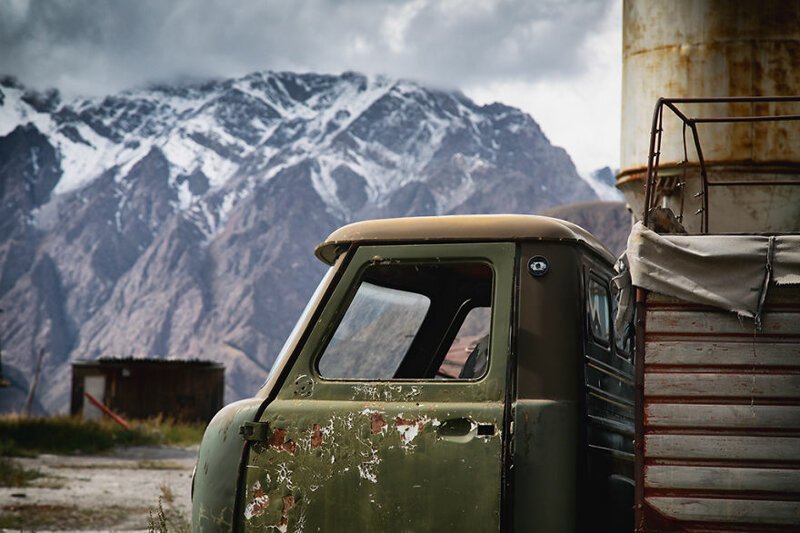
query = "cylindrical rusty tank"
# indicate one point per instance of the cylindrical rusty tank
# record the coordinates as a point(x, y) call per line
point(715, 48)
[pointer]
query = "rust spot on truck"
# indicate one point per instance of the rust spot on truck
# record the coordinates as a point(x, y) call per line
point(258, 505)
point(376, 423)
point(409, 428)
point(279, 441)
point(316, 436)
point(288, 504)
point(419, 422)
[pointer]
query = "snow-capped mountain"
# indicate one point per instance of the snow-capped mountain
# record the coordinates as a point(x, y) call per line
point(179, 220)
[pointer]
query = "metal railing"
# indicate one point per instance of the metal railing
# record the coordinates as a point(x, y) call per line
point(690, 122)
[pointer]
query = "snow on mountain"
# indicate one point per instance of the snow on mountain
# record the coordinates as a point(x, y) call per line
point(179, 220)
point(603, 183)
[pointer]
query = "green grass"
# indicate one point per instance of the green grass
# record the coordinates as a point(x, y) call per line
point(174, 433)
point(29, 436)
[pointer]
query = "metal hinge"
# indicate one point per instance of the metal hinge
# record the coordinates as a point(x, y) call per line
point(254, 431)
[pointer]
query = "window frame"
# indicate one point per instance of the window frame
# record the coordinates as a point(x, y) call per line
point(604, 343)
point(449, 332)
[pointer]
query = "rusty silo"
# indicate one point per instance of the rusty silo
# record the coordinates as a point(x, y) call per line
point(715, 48)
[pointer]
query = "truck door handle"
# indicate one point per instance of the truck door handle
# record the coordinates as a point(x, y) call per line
point(463, 430)
point(455, 428)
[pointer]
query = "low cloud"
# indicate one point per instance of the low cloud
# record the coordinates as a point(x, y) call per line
point(98, 46)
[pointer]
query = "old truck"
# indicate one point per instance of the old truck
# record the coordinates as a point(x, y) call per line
point(474, 373)
point(450, 373)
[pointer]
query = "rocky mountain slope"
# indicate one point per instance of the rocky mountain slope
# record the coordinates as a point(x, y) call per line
point(179, 221)
point(608, 221)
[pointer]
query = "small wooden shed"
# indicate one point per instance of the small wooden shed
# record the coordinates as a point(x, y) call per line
point(189, 390)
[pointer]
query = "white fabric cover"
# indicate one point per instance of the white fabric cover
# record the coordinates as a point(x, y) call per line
point(731, 272)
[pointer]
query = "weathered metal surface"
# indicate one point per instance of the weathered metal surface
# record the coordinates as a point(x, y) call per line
point(720, 417)
point(738, 515)
point(409, 472)
point(214, 481)
point(458, 228)
point(715, 48)
point(571, 435)
point(545, 469)
point(347, 455)
point(710, 352)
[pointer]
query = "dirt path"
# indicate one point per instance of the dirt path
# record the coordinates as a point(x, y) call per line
point(109, 492)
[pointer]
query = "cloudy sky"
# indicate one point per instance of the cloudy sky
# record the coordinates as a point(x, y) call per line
point(559, 60)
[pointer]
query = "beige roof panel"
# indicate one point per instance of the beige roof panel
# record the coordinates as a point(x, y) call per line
point(461, 228)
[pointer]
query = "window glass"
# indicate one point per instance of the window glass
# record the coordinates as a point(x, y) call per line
point(413, 321)
point(467, 356)
point(375, 333)
point(599, 317)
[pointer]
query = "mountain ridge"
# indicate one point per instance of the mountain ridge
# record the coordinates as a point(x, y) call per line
point(179, 221)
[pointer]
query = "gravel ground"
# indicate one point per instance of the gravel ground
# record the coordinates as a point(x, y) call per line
point(109, 492)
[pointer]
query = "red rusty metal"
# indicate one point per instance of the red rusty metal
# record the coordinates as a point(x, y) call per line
point(376, 423)
point(316, 436)
point(279, 441)
point(114, 416)
point(408, 422)
point(288, 504)
point(652, 182)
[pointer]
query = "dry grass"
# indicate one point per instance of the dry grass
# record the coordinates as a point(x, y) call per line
point(13, 474)
point(167, 520)
point(35, 517)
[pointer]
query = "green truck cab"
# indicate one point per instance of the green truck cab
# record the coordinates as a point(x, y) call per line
point(449, 373)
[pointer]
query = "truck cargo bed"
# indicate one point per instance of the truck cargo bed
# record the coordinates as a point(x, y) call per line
point(718, 416)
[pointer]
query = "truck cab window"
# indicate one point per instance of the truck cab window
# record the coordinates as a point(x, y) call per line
point(598, 311)
point(413, 321)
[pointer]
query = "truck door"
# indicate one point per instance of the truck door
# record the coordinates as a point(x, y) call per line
point(390, 416)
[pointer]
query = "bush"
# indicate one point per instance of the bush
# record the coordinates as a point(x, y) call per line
point(28, 436)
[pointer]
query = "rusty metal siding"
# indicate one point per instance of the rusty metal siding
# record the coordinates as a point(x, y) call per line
point(720, 417)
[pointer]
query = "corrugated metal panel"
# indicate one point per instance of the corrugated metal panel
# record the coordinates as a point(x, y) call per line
point(720, 418)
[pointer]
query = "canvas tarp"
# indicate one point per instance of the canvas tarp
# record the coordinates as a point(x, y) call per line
point(732, 272)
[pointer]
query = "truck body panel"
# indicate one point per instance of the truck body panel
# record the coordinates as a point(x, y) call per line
point(720, 416)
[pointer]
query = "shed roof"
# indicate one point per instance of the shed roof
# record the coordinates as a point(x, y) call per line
point(460, 228)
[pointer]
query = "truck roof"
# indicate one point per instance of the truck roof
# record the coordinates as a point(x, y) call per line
point(459, 228)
